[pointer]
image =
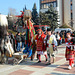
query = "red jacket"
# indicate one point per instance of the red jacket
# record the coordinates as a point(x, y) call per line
point(40, 42)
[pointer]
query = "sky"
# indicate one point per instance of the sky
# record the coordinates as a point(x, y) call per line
point(5, 5)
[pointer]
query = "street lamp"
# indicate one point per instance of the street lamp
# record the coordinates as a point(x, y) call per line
point(71, 23)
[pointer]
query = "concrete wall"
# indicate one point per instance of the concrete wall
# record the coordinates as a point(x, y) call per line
point(73, 14)
point(59, 9)
point(67, 12)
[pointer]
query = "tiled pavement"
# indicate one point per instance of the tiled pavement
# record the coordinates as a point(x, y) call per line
point(28, 67)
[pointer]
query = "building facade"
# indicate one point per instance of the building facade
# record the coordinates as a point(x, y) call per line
point(65, 8)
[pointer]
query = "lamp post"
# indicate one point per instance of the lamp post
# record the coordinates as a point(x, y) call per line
point(71, 23)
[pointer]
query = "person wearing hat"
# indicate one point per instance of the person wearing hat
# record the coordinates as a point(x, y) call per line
point(40, 45)
point(50, 42)
point(18, 40)
point(69, 54)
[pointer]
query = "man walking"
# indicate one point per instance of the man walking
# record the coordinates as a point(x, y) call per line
point(51, 43)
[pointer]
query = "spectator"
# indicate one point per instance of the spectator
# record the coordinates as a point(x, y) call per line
point(58, 38)
point(63, 37)
point(12, 40)
point(18, 40)
point(23, 40)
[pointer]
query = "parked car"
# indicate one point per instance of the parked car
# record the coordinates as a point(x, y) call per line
point(62, 29)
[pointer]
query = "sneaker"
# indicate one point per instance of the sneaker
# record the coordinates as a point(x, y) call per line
point(39, 61)
point(72, 65)
point(69, 67)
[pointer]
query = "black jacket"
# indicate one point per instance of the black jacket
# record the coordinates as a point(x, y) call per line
point(23, 38)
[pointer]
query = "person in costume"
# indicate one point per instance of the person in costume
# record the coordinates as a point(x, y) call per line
point(5, 45)
point(69, 54)
point(30, 32)
point(51, 44)
point(40, 45)
point(34, 49)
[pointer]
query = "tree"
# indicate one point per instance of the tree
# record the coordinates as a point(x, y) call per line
point(12, 11)
point(24, 8)
point(11, 17)
point(35, 17)
point(50, 17)
point(44, 19)
point(11, 14)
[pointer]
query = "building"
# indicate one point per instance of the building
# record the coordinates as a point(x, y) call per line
point(65, 10)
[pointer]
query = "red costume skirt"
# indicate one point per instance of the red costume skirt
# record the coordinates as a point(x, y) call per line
point(69, 54)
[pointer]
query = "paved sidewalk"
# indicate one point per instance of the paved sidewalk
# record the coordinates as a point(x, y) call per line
point(28, 67)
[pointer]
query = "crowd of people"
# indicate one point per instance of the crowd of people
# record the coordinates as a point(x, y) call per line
point(19, 42)
point(44, 44)
point(61, 37)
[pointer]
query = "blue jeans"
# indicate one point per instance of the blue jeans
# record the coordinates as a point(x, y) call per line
point(23, 43)
point(18, 46)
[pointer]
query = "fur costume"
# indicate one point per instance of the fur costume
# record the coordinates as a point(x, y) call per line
point(3, 33)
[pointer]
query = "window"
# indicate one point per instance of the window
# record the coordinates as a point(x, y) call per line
point(42, 0)
point(42, 6)
point(54, 4)
point(49, 5)
point(71, 0)
point(71, 7)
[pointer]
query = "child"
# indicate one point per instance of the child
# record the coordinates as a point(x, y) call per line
point(69, 51)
